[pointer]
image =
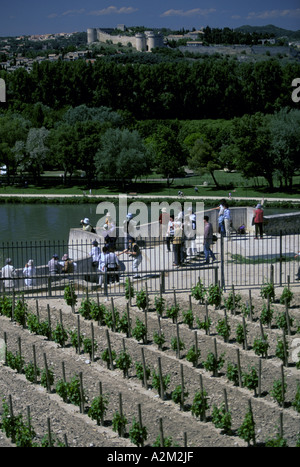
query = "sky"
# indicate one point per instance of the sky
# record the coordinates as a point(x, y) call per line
point(27, 17)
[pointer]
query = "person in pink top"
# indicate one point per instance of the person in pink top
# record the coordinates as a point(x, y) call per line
point(258, 214)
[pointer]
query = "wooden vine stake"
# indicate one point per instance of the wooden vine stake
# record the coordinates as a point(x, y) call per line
point(259, 376)
point(20, 369)
point(233, 301)
point(182, 388)
point(47, 374)
point(101, 395)
point(245, 334)
point(287, 317)
point(37, 311)
point(34, 364)
point(161, 433)
point(128, 320)
point(178, 341)
point(109, 350)
point(122, 428)
point(263, 337)
point(140, 421)
point(203, 415)
point(284, 348)
point(215, 372)
point(49, 433)
point(78, 335)
point(113, 315)
point(145, 382)
point(162, 391)
point(81, 393)
point(239, 367)
point(250, 306)
point(62, 327)
point(195, 363)
point(49, 321)
point(282, 386)
point(207, 331)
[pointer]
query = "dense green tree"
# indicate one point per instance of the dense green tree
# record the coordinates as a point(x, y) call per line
point(203, 158)
point(64, 149)
point(251, 137)
point(13, 129)
point(169, 156)
point(122, 155)
point(36, 152)
point(285, 144)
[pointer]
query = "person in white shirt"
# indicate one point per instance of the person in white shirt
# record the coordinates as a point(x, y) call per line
point(8, 273)
point(102, 264)
point(29, 272)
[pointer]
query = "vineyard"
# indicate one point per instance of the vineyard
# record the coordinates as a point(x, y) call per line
point(203, 369)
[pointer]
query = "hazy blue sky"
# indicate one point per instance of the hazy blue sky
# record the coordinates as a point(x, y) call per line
point(38, 17)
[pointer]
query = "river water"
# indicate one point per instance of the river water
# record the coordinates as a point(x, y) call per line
point(52, 222)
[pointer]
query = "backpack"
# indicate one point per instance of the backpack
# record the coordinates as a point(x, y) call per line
point(68, 266)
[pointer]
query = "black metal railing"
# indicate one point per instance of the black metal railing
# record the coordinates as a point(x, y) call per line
point(241, 260)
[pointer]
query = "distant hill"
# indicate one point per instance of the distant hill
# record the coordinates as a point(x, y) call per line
point(270, 29)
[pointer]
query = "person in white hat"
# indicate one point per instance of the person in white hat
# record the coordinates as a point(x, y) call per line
point(8, 272)
point(129, 226)
point(164, 218)
point(29, 271)
point(86, 224)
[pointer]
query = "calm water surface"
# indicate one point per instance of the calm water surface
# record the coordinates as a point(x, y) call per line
point(50, 223)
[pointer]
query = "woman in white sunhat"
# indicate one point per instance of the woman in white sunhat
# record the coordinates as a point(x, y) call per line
point(29, 272)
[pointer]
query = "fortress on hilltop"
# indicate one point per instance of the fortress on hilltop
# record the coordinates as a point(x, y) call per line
point(143, 42)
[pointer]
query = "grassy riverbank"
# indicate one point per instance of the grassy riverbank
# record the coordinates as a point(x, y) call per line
point(242, 193)
point(57, 198)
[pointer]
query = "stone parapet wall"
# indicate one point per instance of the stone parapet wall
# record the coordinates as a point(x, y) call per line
point(287, 223)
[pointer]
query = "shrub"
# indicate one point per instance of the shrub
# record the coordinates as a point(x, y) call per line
point(159, 339)
point(233, 301)
point(214, 364)
point(123, 362)
point(69, 295)
point(31, 372)
point(221, 418)
point(137, 433)
point(260, 346)
point(98, 409)
point(214, 295)
point(247, 429)
point(287, 295)
point(188, 318)
point(156, 381)
point(141, 300)
point(173, 313)
point(223, 328)
point(178, 394)
point(159, 303)
point(232, 373)
point(119, 423)
point(140, 332)
point(20, 312)
point(198, 292)
point(250, 380)
point(200, 404)
point(267, 290)
point(193, 356)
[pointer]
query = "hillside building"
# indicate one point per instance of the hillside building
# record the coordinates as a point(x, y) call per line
point(142, 42)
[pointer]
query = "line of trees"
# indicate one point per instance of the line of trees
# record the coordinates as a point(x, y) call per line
point(107, 144)
point(210, 87)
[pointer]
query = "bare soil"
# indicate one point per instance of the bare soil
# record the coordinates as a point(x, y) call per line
point(68, 423)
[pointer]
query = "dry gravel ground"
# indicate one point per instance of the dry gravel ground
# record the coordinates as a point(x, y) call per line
point(67, 421)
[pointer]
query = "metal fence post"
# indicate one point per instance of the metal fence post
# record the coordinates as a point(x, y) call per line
point(222, 264)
